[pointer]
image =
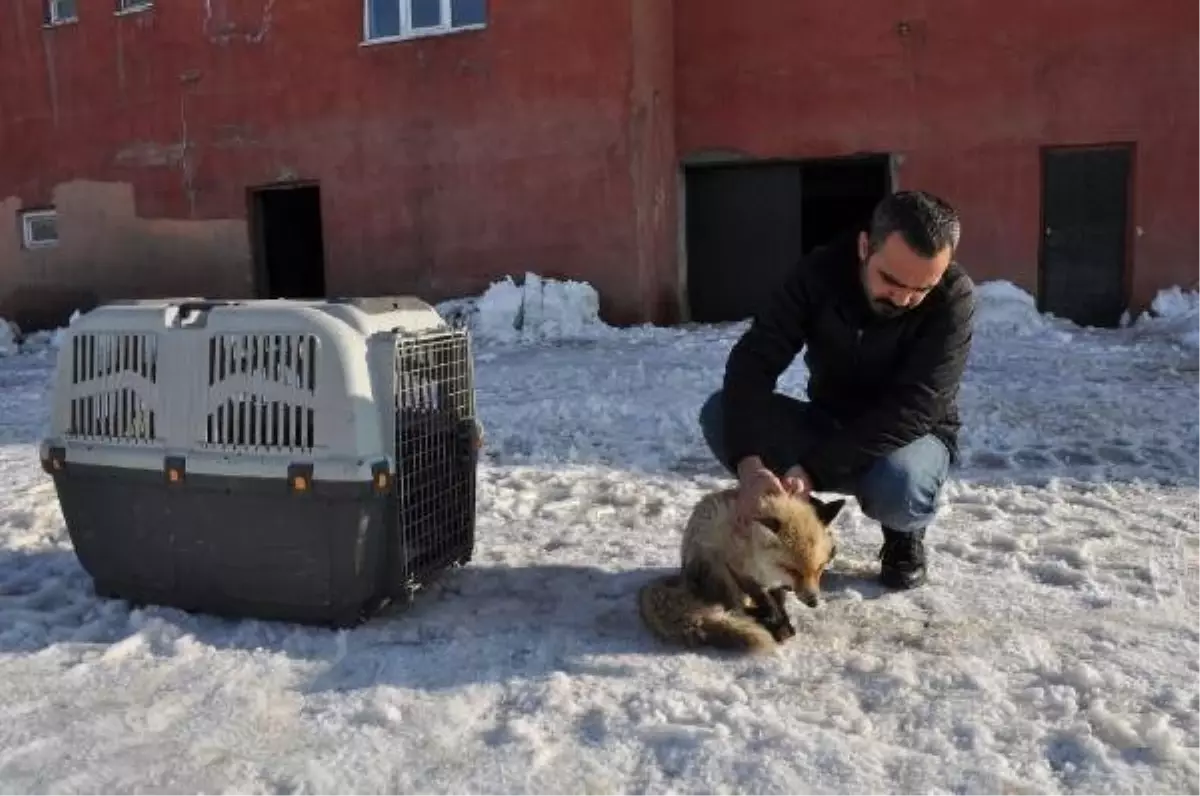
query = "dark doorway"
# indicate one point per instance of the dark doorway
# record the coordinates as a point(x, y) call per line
point(747, 224)
point(743, 232)
point(840, 194)
point(1085, 218)
point(289, 249)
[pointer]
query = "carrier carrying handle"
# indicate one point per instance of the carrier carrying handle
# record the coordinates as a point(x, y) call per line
point(185, 310)
point(188, 307)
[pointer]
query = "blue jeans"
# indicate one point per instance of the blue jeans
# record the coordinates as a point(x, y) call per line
point(899, 491)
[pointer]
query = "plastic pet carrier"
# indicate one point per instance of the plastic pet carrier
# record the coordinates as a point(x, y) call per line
point(306, 461)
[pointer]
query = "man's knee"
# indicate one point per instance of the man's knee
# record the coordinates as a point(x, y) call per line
point(712, 425)
point(712, 413)
point(900, 491)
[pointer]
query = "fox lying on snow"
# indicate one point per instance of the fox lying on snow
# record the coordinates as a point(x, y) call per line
point(731, 587)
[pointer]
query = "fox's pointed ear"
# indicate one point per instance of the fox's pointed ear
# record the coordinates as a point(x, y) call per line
point(827, 511)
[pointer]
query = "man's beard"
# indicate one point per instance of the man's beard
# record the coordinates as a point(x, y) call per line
point(884, 308)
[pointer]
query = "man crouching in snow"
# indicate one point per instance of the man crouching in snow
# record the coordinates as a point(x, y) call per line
point(885, 316)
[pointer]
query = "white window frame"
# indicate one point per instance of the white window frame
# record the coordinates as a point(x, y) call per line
point(52, 14)
point(132, 6)
point(407, 31)
point(27, 239)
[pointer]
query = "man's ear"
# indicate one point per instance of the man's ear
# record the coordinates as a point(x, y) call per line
point(827, 511)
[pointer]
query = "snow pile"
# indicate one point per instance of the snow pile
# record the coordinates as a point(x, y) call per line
point(498, 312)
point(538, 310)
point(1174, 303)
point(48, 341)
point(44, 341)
point(60, 334)
point(1003, 309)
point(9, 335)
point(1174, 315)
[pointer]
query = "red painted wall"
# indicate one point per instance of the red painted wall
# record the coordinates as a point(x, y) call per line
point(443, 162)
point(654, 171)
point(549, 142)
point(967, 96)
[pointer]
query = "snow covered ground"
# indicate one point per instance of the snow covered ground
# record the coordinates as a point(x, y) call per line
point(1055, 649)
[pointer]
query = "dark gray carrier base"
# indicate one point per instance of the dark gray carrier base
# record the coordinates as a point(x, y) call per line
point(229, 546)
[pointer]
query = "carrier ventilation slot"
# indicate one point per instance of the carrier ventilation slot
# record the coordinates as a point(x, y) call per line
point(435, 421)
point(99, 409)
point(248, 419)
point(113, 414)
point(99, 356)
point(290, 360)
point(251, 421)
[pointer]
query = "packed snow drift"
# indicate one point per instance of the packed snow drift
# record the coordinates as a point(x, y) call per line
point(1174, 314)
point(1054, 650)
point(1004, 309)
point(537, 310)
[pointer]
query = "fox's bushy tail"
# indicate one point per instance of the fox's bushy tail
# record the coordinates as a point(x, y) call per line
point(676, 616)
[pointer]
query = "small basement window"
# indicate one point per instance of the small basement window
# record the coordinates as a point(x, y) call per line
point(130, 6)
point(60, 12)
point(39, 229)
point(390, 20)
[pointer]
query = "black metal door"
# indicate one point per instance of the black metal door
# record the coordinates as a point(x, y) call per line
point(1085, 199)
point(743, 233)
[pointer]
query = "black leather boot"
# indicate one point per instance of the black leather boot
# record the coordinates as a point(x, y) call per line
point(902, 559)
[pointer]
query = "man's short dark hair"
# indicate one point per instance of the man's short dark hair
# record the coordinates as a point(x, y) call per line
point(927, 223)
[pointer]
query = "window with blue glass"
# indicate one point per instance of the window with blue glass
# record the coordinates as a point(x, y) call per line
point(398, 19)
point(58, 12)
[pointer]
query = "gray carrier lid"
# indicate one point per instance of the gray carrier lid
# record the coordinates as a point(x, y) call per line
point(248, 387)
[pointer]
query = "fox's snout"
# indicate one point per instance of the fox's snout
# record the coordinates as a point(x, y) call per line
point(806, 587)
point(809, 597)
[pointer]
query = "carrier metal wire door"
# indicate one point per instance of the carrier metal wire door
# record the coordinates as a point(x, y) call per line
point(435, 452)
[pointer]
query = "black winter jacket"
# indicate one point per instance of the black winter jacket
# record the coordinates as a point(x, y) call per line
point(887, 382)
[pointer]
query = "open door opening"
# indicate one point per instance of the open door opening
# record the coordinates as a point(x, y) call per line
point(288, 244)
point(746, 224)
point(840, 194)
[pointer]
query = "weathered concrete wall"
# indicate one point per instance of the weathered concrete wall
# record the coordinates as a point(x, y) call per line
point(967, 92)
point(444, 162)
point(107, 251)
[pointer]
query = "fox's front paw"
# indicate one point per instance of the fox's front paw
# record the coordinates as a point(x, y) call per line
point(779, 625)
point(782, 631)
